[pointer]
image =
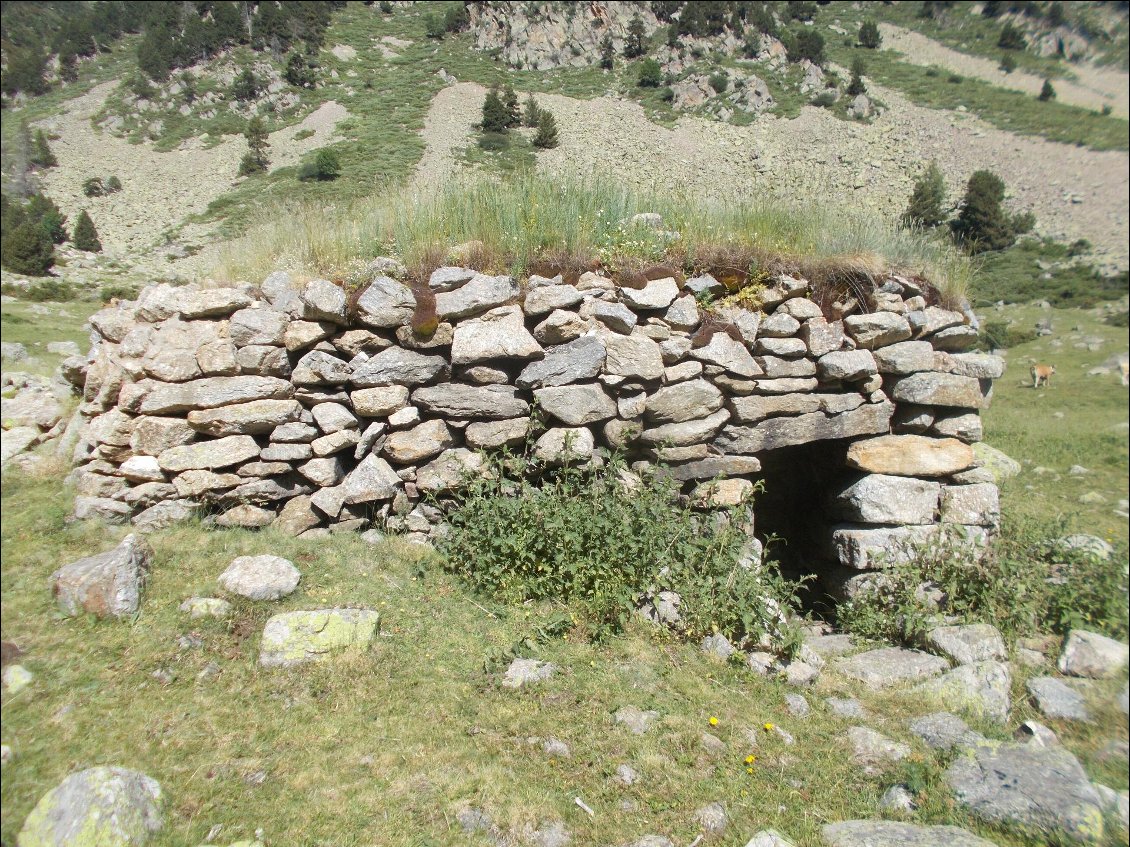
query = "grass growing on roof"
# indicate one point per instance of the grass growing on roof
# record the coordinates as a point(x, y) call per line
point(527, 218)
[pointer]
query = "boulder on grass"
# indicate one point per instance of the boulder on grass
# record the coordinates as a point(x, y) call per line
point(108, 584)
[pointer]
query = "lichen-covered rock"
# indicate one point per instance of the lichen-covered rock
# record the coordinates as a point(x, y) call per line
point(939, 389)
point(1041, 789)
point(576, 405)
point(1055, 699)
point(877, 329)
point(565, 364)
point(487, 402)
point(97, 807)
point(980, 689)
point(209, 455)
point(862, 833)
point(294, 638)
point(108, 584)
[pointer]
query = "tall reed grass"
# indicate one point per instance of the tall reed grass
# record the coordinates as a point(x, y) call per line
point(515, 223)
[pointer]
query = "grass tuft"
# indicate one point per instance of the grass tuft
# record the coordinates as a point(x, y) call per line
point(528, 220)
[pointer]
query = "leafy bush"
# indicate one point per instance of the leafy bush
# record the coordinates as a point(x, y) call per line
point(51, 291)
point(93, 187)
point(650, 74)
point(1008, 63)
point(826, 99)
point(720, 81)
point(869, 35)
point(605, 548)
point(1023, 583)
point(433, 26)
point(1001, 335)
point(27, 249)
point(494, 142)
point(799, 10)
point(385, 7)
point(41, 154)
point(1011, 38)
point(805, 44)
point(324, 167)
point(117, 291)
point(113, 184)
point(456, 19)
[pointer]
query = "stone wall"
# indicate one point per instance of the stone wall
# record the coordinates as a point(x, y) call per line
point(297, 406)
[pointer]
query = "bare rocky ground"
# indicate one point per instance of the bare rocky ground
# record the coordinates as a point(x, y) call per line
point(159, 190)
point(1074, 192)
point(1092, 88)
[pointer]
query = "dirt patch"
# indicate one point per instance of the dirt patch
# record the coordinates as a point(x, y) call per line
point(1092, 88)
point(1074, 192)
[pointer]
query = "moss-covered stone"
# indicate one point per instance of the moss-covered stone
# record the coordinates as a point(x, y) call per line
point(305, 636)
point(98, 807)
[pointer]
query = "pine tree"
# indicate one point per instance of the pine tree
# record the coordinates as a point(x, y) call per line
point(634, 43)
point(255, 160)
point(246, 86)
point(546, 137)
point(869, 35)
point(927, 200)
point(495, 116)
point(981, 223)
point(607, 52)
point(27, 250)
point(86, 236)
point(1047, 92)
point(532, 114)
point(41, 155)
point(41, 209)
point(513, 112)
point(229, 28)
point(856, 86)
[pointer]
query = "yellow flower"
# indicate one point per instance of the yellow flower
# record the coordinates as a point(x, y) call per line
point(713, 721)
point(749, 760)
point(749, 771)
point(768, 727)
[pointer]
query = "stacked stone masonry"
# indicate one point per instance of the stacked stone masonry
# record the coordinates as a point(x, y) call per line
point(296, 406)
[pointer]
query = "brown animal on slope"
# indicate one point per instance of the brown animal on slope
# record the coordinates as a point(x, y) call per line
point(710, 326)
point(1042, 374)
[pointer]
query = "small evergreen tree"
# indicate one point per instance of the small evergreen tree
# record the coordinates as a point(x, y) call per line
point(246, 86)
point(456, 19)
point(546, 137)
point(113, 184)
point(93, 187)
point(650, 75)
point(26, 249)
point(255, 159)
point(41, 209)
point(982, 223)
point(1011, 38)
point(927, 201)
point(634, 44)
point(41, 154)
point(298, 71)
point(495, 116)
point(607, 52)
point(856, 86)
point(1047, 92)
point(532, 115)
point(513, 110)
point(86, 236)
point(869, 35)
